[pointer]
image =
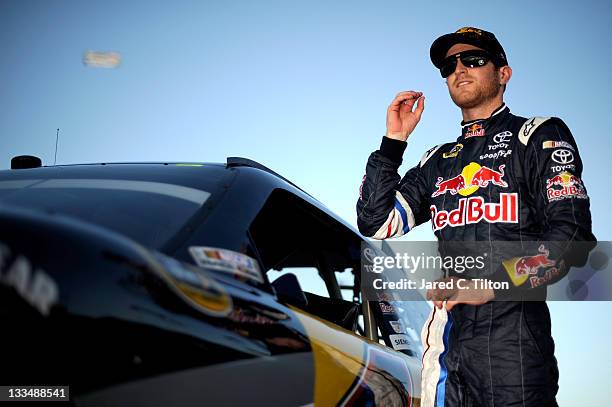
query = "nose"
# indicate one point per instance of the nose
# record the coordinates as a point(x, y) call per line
point(460, 67)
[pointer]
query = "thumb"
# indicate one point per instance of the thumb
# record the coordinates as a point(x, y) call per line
point(420, 107)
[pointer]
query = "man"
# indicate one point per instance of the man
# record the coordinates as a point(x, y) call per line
point(505, 178)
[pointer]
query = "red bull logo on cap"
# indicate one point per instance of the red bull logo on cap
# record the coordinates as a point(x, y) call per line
point(564, 185)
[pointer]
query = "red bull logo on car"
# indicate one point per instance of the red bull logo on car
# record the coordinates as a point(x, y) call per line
point(564, 185)
point(474, 209)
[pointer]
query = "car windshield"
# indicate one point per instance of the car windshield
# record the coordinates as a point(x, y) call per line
point(150, 213)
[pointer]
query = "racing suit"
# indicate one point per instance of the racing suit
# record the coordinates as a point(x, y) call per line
point(506, 178)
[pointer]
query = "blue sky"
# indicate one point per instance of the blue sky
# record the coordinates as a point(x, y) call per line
point(302, 87)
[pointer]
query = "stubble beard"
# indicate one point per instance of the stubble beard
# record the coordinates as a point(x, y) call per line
point(484, 93)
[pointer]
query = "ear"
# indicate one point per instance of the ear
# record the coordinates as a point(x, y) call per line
point(505, 73)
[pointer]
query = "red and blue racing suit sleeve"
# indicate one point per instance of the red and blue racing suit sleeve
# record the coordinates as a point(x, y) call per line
point(390, 206)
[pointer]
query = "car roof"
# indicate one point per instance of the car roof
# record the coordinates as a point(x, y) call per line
point(180, 173)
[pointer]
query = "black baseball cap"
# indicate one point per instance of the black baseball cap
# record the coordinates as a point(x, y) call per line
point(468, 35)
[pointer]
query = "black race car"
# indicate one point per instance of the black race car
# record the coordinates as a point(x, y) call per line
point(192, 284)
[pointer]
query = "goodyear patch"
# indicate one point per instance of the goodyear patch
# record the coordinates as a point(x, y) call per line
point(227, 261)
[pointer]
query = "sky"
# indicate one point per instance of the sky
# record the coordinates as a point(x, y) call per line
point(303, 88)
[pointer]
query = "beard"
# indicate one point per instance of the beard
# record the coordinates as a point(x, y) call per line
point(481, 93)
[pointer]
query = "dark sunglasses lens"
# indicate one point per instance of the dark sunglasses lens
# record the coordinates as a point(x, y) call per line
point(449, 67)
point(474, 61)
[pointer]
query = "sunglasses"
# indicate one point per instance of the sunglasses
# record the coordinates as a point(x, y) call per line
point(471, 59)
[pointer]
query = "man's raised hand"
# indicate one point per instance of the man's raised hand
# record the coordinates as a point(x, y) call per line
point(401, 119)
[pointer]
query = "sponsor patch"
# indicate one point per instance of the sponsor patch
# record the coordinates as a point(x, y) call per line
point(562, 156)
point(520, 269)
point(559, 168)
point(563, 186)
point(387, 308)
point(400, 342)
point(528, 126)
point(228, 261)
point(503, 137)
point(453, 152)
point(557, 144)
point(475, 209)
point(472, 177)
point(548, 275)
point(397, 326)
point(498, 146)
point(496, 155)
point(195, 288)
point(475, 130)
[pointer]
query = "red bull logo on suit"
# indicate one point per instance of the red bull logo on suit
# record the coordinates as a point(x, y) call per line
point(571, 187)
point(474, 209)
point(472, 177)
point(531, 264)
point(538, 269)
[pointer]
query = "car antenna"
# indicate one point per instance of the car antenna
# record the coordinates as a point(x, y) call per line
point(56, 139)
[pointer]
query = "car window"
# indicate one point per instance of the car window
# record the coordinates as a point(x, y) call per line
point(308, 277)
point(346, 282)
point(292, 236)
point(136, 209)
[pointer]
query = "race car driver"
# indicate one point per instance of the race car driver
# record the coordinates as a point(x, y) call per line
point(505, 178)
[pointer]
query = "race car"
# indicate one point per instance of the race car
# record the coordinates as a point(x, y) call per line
point(170, 284)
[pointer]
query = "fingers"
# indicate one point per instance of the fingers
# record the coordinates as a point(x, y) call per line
point(405, 97)
point(420, 107)
point(407, 105)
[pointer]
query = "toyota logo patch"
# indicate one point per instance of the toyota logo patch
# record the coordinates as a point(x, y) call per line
point(502, 137)
point(562, 156)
